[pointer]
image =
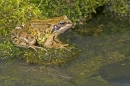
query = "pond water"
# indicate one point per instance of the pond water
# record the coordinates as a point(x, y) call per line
point(103, 60)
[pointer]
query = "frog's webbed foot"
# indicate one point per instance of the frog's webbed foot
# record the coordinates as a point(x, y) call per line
point(59, 45)
point(64, 46)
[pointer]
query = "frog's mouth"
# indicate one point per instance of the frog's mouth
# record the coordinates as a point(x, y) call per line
point(61, 29)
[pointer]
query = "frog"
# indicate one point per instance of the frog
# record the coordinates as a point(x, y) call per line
point(40, 33)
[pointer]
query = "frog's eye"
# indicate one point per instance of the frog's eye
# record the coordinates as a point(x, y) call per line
point(61, 23)
point(55, 28)
point(19, 27)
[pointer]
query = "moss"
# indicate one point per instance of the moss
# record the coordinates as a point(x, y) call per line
point(15, 12)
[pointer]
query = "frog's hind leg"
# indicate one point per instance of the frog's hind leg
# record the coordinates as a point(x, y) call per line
point(21, 43)
point(30, 46)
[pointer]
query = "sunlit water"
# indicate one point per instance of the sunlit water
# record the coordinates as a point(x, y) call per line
point(85, 70)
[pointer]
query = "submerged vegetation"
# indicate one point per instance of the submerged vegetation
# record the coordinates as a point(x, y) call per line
point(16, 12)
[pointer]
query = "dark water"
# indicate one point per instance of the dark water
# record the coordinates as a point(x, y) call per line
point(121, 81)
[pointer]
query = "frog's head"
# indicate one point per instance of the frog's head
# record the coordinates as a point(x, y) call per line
point(62, 25)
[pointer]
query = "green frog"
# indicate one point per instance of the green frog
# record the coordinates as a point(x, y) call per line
point(38, 33)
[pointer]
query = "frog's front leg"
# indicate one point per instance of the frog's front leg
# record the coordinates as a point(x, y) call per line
point(53, 42)
point(59, 44)
point(49, 41)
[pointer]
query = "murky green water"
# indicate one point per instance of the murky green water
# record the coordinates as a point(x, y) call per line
point(98, 55)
